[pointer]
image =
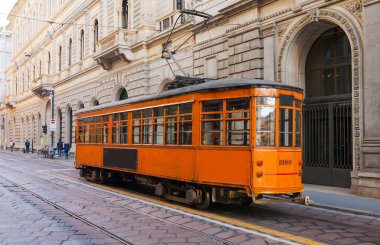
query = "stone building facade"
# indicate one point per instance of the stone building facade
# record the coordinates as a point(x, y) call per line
point(94, 52)
point(5, 56)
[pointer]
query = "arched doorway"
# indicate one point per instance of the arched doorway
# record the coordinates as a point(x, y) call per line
point(327, 150)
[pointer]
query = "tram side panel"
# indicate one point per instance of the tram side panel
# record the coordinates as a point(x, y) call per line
point(224, 167)
point(89, 155)
point(171, 163)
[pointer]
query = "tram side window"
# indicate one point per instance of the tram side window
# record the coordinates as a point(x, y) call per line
point(265, 121)
point(81, 130)
point(158, 127)
point(212, 125)
point(86, 131)
point(298, 123)
point(171, 119)
point(124, 128)
point(185, 124)
point(92, 130)
point(105, 129)
point(120, 128)
point(147, 126)
point(136, 127)
point(116, 128)
point(237, 121)
point(98, 129)
point(286, 121)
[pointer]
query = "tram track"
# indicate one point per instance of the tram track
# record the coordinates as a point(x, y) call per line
point(234, 213)
point(68, 212)
point(113, 235)
point(141, 191)
point(240, 213)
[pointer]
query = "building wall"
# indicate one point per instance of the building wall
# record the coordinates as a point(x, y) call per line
point(246, 39)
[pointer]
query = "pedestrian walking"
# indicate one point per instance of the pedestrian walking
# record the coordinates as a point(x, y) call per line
point(27, 145)
point(66, 148)
point(59, 147)
point(12, 145)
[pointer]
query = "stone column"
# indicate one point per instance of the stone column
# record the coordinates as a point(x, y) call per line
point(369, 174)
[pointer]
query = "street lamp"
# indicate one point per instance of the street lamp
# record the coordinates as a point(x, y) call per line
point(49, 91)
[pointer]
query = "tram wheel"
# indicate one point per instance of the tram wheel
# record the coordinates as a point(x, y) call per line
point(82, 172)
point(205, 200)
point(102, 176)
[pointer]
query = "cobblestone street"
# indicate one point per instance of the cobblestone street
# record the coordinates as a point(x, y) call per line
point(45, 202)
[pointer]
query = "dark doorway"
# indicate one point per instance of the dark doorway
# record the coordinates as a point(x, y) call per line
point(327, 136)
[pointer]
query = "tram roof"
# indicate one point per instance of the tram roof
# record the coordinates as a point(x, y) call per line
point(208, 85)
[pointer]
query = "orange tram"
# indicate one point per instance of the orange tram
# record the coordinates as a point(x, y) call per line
point(228, 141)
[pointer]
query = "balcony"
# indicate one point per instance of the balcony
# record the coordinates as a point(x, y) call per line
point(115, 46)
point(10, 101)
point(39, 83)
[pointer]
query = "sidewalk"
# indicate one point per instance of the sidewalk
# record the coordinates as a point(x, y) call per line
point(341, 199)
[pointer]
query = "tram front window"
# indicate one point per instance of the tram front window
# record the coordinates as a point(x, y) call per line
point(265, 121)
point(286, 121)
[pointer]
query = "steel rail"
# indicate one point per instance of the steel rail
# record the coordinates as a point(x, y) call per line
point(89, 223)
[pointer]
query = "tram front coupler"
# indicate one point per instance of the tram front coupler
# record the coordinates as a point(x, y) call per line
point(259, 199)
point(303, 200)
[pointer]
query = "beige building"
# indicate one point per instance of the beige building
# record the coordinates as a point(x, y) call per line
point(95, 52)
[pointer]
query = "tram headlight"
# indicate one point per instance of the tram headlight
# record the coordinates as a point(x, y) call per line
point(259, 174)
point(259, 163)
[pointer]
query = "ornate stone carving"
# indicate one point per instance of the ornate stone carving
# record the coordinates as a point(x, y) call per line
point(353, 34)
point(281, 31)
point(267, 31)
point(314, 14)
point(355, 8)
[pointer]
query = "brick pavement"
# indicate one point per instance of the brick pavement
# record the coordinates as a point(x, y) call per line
point(27, 220)
point(319, 224)
point(136, 221)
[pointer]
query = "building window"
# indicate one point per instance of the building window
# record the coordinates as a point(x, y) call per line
point(60, 58)
point(211, 68)
point(70, 51)
point(178, 4)
point(96, 34)
point(81, 44)
point(124, 14)
point(328, 65)
point(123, 95)
point(49, 63)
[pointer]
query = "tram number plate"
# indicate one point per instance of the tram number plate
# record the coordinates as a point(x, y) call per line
point(285, 162)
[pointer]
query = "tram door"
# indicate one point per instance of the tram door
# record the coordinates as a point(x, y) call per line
point(327, 119)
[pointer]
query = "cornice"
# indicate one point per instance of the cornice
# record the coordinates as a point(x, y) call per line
point(370, 2)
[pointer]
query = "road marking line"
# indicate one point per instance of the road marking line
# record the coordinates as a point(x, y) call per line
point(213, 218)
